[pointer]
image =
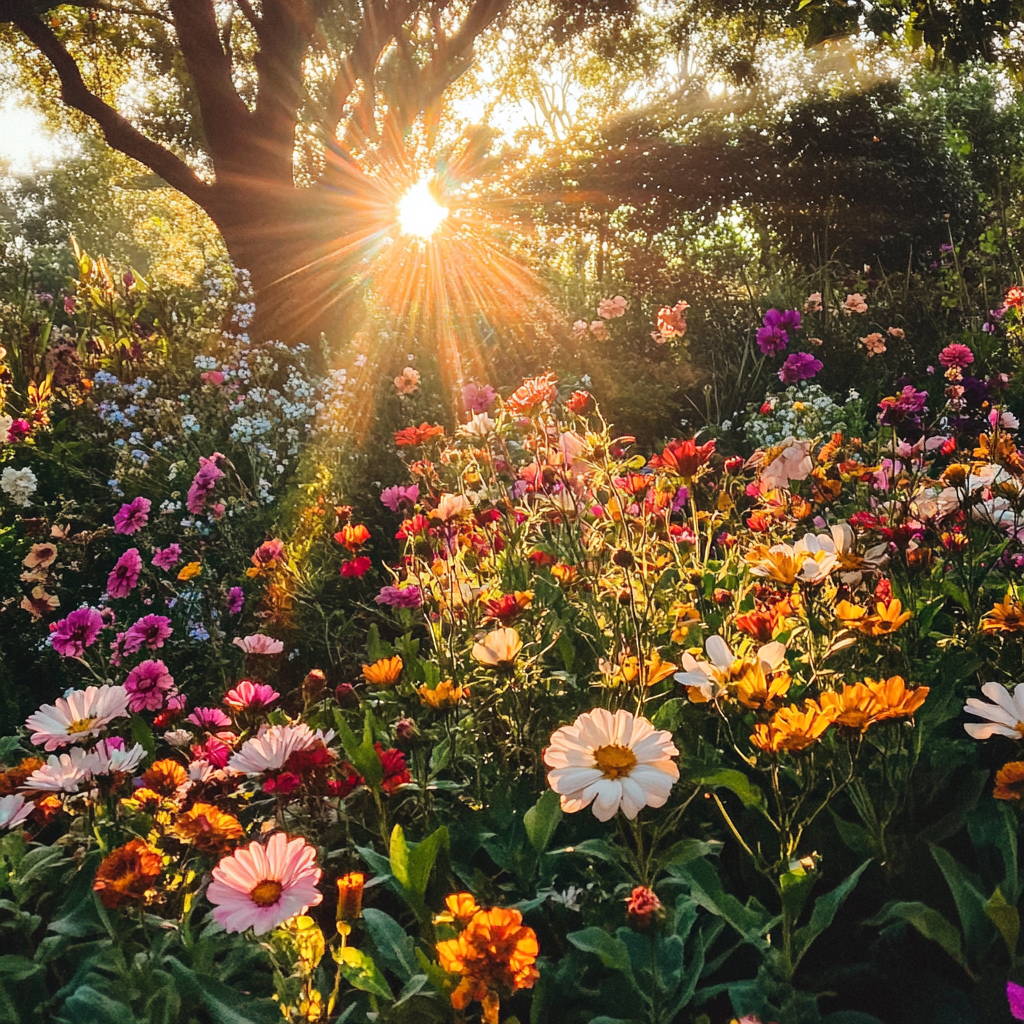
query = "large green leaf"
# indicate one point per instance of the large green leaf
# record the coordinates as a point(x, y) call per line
point(612, 952)
point(361, 972)
point(735, 781)
point(395, 949)
point(1006, 918)
point(87, 1006)
point(224, 1004)
point(541, 820)
point(751, 921)
point(928, 921)
point(970, 901)
point(825, 909)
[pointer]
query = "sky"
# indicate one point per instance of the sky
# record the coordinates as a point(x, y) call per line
point(25, 142)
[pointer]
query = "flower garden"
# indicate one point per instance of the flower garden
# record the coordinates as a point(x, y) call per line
point(543, 725)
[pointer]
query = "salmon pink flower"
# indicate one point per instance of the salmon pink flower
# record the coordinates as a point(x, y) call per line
point(855, 303)
point(408, 381)
point(258, 643)
point(249, 694)
point(609, 309)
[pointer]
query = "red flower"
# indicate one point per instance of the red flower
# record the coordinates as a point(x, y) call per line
point(1015, 297)
point(683, 457)
point(395, 771)
point(411, 437)
point(577, 402)
point(352, 537)
point(412, 527)
point(643, 907)
point(734, 463)
point(357, 567)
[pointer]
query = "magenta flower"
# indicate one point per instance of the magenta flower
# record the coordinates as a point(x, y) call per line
point(168, 557)
point(799, 366)
point(1015, 997)
point(956, 355)
point(204, 482)
point(248, 694)
point(400, 597)
point(236, 600)
point(70, 637)
point(209, 718)
point(479, 397)
point(150, 632)
point(147, 685)
point(395, 497)
point(132, 516)
point(125, 575)
point(773, 337)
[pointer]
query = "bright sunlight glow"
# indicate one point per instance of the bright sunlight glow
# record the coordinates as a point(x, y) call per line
point(419, 213)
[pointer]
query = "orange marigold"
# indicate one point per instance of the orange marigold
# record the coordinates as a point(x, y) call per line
point(531, 393)
point(127, 874)
point(208, 828)
point(1006, 616)
point(792, 729)
point(165, 777)
point(461, 908)
point(14, 778)
point(412, 437)
point(350, 896)
point(1010, 782)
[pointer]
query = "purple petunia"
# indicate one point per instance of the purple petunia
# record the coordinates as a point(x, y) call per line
point(132, 516)
point(70, 637)
point(773, 337)
point(125, 575)
point(236, 600)
point(168, 557)
point(799, 366)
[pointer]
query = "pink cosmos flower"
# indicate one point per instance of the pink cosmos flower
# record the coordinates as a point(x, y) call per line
point(80, 714)
point(249, 694)
point(608, 309)
point(125, 574)
point(168, 557)
point(147, 685)
point(599, 330)
point(395, 497)
point(258, 643)
point(133, 516)
point(204, 482)
point(479, 397)
point(209, 718)
point(150, 632)
point(407, 381)
point(70, 637)
point(261, 887)
point(271, 747)
point(14, 809)
point(956, 355)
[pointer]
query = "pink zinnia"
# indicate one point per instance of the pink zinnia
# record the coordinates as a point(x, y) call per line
point(248, 694)
point(956, 355)
point(147, 684)
point(133, 516)
point(70, 637)
point(261, 887)
point(168, 557)
point(269, 552)
point(259, 643)
point(150, 631)
point(209, 718)
point(204, 482)
point(125, 575)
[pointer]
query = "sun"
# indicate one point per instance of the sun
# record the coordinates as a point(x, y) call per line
point(419, 213)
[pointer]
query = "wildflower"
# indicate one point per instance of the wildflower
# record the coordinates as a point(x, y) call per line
point(14, 809)
point(261, 887)
point(792, 729)
point(356, 568)
point(150, 632)
point(773, 337)
point(204, 482)
point(396, 772)
point(385, 672)
point(70, 637)
point(892, 698)
point(270, 552)
point(896, 332)
point(889, 617)
point(127, 874)
point(396, 497)
point(352, 537)
point(672, 320)
point(258, 643)
point(812, 304)
point(462, 907)
point(1004, 717)
point(166, 777)
point(61, 772)
point(532, 393)
point(507, 607)
point(599, 329)
point(209, 718)
point(710, 679)
point(125, 574)
point(613, 761)
point(643, 907)
point(782, 465)
point(207, 828)
point(40, 556)
point(443, 697)
point(147, 685)
point(1006, 616)
point(956, 355)
point(19, 485)
point(799, 366)
point(874, 344)
point(249, 694)
point(495, 954)
point(499, 648)
point(12, 779)
point(1010, 784)
point(788, 564)
point(406, 596)
point(408, 381)
point(80, 714)
point(271, 747)
point(236, 600)
point(168, 557)
point(479, 397)
point(855, 303)
point(350, 896)
point(412, 437)
point(133, 516)
point(683, 457)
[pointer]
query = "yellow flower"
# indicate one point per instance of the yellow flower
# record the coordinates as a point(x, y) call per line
point(759, 690)
point(893, 699)
point(792, 729)
point(383, 673)
point(350, 896)
point(1010, 782)
point(445, 696)
point(1006, 616)
point(190, 571)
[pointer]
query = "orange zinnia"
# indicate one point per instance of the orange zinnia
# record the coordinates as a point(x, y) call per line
point(1006, 616)
point(127, 874)
point(385, 672)
point(461, 908)
point(531, 393)
point(352, 537)
point(165, 777)
point(14, 778)
point(1010, 782)
point(792, 729)
point(411, 437)
point(208, 829)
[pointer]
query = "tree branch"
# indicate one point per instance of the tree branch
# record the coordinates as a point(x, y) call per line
point(120, 133)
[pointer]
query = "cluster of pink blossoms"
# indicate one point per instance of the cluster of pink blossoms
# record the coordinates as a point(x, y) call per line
point(204, 482)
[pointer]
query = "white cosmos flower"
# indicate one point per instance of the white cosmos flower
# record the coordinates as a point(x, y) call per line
point(62, 773)
point(479, 426)
point(712, 676)
point(14, 809)
point(611, 761)
point(273, 745)
point(449, 506)
point(1005, 717)
point(106, 758)
point(79, 714)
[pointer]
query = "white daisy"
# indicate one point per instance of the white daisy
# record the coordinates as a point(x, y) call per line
point(1005, 716)
point(14, 809)
point(61, 773)
point(79, 714)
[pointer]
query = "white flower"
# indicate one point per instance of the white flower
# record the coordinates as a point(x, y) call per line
point(61, 773)
point(5, 427)
point(106, 758)
point(1005, 716)
point(272, 746)
point(78, 714)
point(712, 676)
point(449, 506)
point(14, 809)
point(792, 463)
point(19, 485)
point(479, 426)
point(178, 737)
point(611, 761)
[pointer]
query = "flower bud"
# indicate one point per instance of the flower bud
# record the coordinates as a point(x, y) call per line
point(346, 695)
point(350, 896)
point(406, 732)
point(313, 686)
point(623, 558)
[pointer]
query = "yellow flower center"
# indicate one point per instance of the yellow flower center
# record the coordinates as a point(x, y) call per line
point(614, 760)
point(81, 725)
point(266, 893)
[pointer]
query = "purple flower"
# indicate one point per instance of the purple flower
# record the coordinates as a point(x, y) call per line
point(125, 575)
point(799, 366)
point(400, 597)
point(477, 397)
point(236, 600)
point(395, 497)
point(204, 482)
point(1015, 997)
point(150, 632)
point(209, 718)
point(906, 404)
point(147, 684)
point(774, 336)
point(168, 557)
point(133, 516)
point(70, 637)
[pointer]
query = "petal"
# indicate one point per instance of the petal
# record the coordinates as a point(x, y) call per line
point(719, 653)
point(608, 795)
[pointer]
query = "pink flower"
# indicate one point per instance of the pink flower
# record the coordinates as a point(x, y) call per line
point(236, 600)
point(1015, 997)
point(408, 381)
point(599, 330)
point(956, 355)
point(150, 632)
point(400, 597)
point(77, 716)
point(259, 643)
point(356, 568)
point(214, 377)
point(147, 684)
point(896, 332)
point(395, 497)
point(168, 557)
point(269, 552)
point(19, 429)
point(125, 575)
point(204, 482)
point(479, 397)
point(608, 309)
point(248, 694)
point(133, 516)
point(579, 328)
point(812, 304)
point(70, 302)
point(799, 366)
point(874, 344)
point(855, 303)
point(209, 718)
point(70, 637)
point(261, 887)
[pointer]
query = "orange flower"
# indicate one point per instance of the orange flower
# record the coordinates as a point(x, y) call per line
point(755, 689)
point(12, 779)
point(444, 697)
point(854, 707)
point(683, 457)
point(166, 777)
point(350, 896)
point(495, 954)
point(1015, 297)
point(145, 800)
point(127, 874)
point(208, 829)
point(531, 393)
point(1010, 782)
point(190, 571)
point(565, 574)
point(412, 437)
point(352, 537)
point(506, 607)
point(893, 699)
point(1006, 616)
point(792, 729)
point(385, 672)
point(461, 908)
point(890, 616)
point(850, 615)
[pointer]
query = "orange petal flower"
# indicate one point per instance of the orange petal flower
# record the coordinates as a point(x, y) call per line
point(1006, 616)
point(1010, 782)
point(444, 697)
point(385, 672)
point(350, 896)
point(208, 829)
point(792, 729)
point(127, 874)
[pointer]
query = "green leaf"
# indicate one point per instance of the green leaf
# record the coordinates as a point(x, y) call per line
point(362, 755)
point(224, 1004)
point(361, 972)
point(969, 899)
point(736, 782)
point(929, 922)
point(142, 734)
point(796, 888)
point(752, 922)
point(825, 909)
point(395, 949)
point(600, 849)
point(411, 866)
point(1006, 919)
point(612, 952)
point(86, 1004)
point(542, 819)
point(17, 968)
point(440, 756)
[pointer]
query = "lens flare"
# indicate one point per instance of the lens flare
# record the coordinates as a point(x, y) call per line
point(419, 213)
